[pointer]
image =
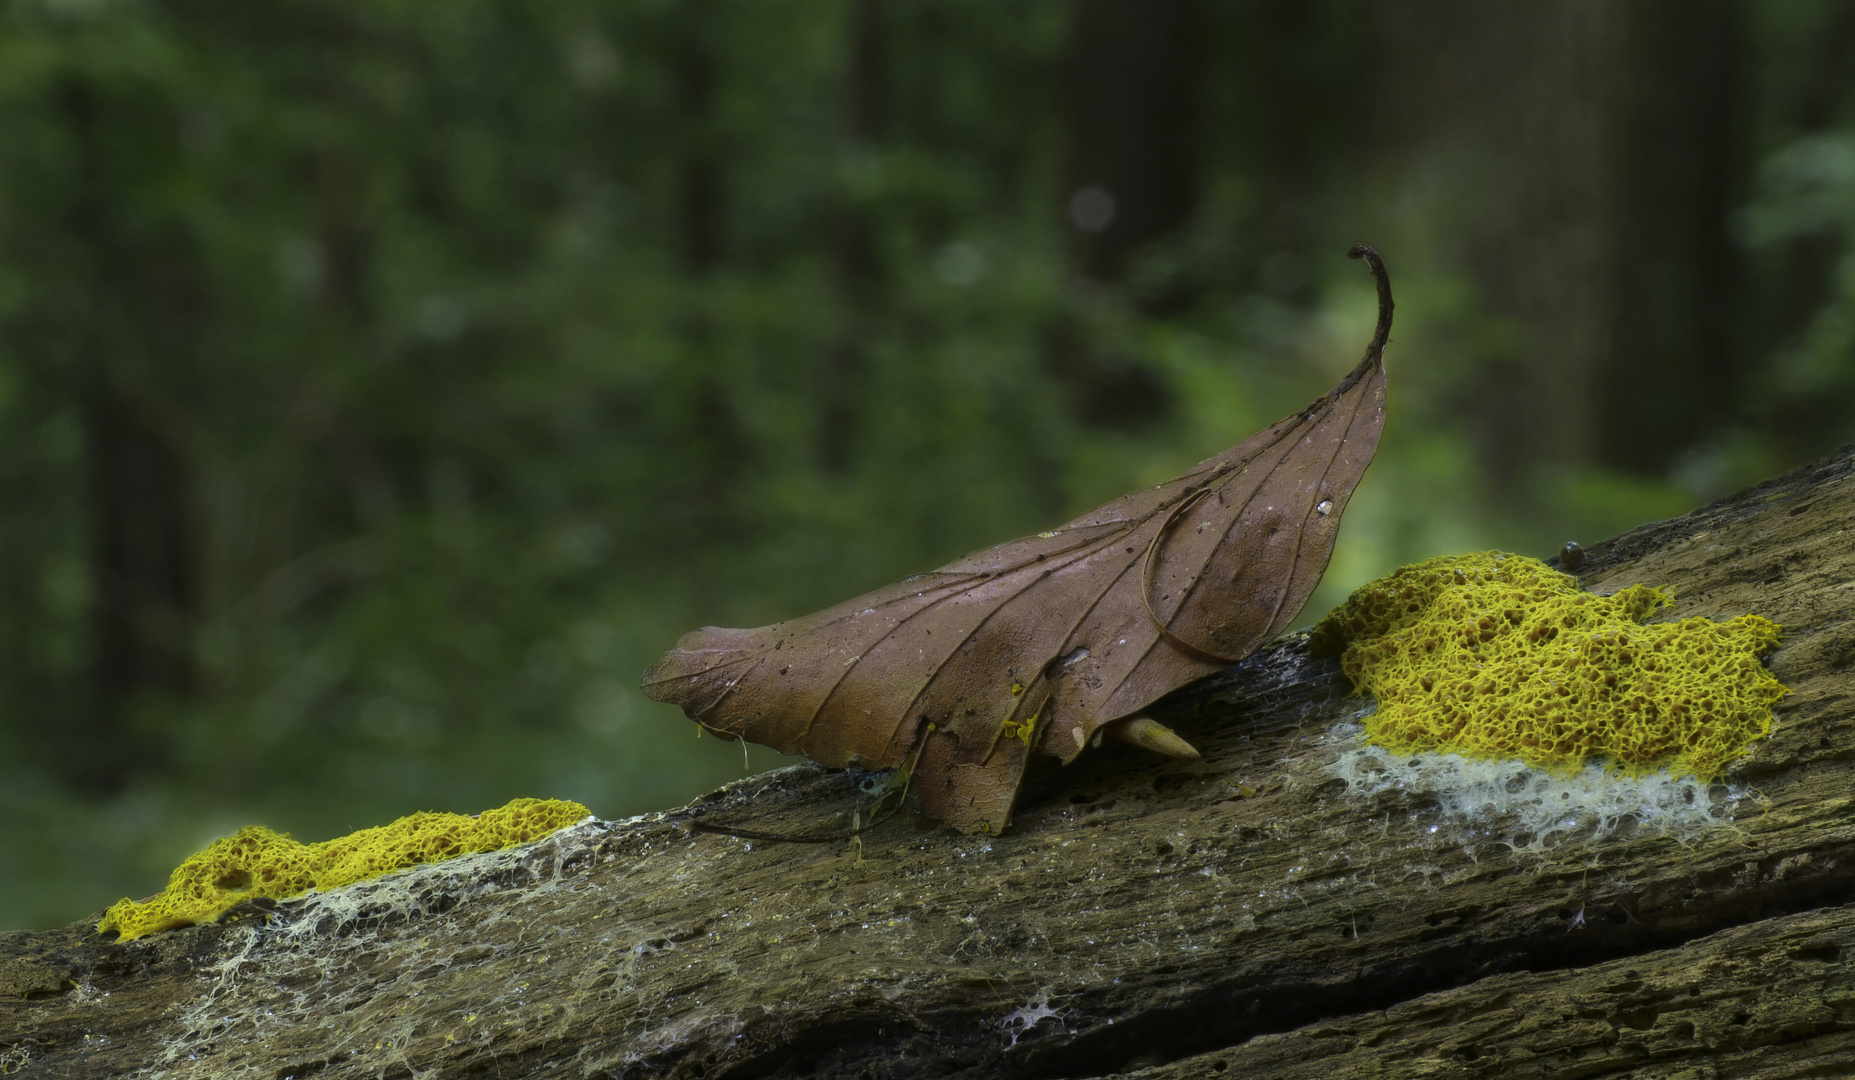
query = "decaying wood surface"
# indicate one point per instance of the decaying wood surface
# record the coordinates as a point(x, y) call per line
point(1242, 915)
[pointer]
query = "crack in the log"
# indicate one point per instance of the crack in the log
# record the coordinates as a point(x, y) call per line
point(1227, 1016)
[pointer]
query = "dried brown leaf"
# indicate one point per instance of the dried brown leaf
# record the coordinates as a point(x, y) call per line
point(1041, 642)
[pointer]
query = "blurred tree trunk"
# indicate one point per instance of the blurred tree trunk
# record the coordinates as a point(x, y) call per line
point(1131, 114)
point(1676, 361)
point(857, 263)
point(700, 190)
point(142, 562)
point(140, 308)
point(713, 431)
point(1296, 87)
point(1589, 154)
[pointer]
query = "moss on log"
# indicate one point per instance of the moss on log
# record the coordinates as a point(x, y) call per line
point(1243, 914)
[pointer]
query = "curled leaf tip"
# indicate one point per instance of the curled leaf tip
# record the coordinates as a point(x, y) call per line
point(1376, 265)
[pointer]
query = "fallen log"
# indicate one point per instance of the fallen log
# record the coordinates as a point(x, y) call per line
point(1248, 913)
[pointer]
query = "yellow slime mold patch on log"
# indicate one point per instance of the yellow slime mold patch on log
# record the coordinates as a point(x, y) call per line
point(1491, 655)
point(257, 863)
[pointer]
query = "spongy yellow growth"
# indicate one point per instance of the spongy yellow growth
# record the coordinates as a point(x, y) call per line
point(1499, 656)
point(257, 863)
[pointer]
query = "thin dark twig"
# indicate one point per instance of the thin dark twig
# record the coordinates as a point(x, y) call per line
point(807, 838)
point(908, 777)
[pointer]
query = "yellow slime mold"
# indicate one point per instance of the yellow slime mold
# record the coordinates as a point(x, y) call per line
point(256, 863)
point(1491, 655)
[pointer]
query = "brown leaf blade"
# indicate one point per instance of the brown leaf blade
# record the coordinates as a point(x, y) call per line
point(1040, 642)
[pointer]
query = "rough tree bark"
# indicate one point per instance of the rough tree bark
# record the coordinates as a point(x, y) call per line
point(1240, 915)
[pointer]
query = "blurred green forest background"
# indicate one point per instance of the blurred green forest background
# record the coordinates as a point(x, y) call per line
point(384, 384)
